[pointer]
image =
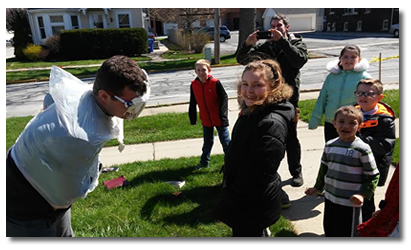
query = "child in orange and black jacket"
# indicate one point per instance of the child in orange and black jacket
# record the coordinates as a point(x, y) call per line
point(377, 130)
point(208, 93)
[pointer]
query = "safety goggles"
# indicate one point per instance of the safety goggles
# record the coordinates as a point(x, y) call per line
point(135, 106)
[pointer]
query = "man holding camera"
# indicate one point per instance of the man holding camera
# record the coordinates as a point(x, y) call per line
point(291, 52)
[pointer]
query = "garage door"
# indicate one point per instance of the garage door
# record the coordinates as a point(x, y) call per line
point(302, 22)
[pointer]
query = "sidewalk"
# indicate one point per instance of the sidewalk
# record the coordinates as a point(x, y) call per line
point(305, 212)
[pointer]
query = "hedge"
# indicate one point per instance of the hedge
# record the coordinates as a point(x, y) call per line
point(81, 44)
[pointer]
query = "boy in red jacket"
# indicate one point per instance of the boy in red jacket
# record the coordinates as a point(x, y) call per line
point(208, 93)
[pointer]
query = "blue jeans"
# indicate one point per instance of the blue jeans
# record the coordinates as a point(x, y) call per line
point(208, 135)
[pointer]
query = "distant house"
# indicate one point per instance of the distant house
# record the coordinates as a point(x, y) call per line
point(48, 22)
point(360, 19)
point(301, 19)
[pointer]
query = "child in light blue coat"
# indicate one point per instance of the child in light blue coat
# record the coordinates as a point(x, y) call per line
point(338, 88)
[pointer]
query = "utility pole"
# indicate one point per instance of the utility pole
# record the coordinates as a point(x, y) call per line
point(216, 36)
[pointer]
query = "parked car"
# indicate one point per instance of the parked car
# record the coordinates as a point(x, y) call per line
point(395, 30)
point(224, 32)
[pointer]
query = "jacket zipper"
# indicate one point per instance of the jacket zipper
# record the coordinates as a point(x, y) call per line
point(205, 104)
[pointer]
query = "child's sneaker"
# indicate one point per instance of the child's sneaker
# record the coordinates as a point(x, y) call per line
point(266, 232)
point(200, 166)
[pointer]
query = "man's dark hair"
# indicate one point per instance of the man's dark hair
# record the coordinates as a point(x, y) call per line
point(280, 16)
point(118, 72)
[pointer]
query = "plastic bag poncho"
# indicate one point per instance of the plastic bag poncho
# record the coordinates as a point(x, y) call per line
point(58, 150)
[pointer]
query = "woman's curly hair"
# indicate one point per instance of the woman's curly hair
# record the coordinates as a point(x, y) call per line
point(271, 71)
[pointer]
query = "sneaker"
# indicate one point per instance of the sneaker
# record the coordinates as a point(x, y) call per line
point(266, 232)
point(200, 166)
point(297, 181)
point(285, 200)
point(285, 204)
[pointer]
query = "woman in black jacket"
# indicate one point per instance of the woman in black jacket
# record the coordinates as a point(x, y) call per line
point(251, 195)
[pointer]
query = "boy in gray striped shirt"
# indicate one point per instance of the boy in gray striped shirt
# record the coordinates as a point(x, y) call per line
point(348, 174)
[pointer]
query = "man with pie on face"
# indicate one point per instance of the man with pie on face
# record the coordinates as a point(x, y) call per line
point(55, 160)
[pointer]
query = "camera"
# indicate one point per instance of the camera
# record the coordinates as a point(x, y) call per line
point(264, 35)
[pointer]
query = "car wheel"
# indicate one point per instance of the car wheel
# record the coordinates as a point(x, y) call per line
point(396, 33)
point(222, 39)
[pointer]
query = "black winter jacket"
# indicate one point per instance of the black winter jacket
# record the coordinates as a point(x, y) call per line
point(290, 53)
point(379, 132)
point(251, 186)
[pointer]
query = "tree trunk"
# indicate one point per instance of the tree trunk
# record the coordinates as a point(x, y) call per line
point(216, 36)
point(246, 25)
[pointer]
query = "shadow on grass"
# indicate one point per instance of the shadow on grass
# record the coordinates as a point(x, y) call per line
point(165, 175)
point(205, 197)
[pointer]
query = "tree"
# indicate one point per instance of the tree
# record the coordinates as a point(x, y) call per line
point(216, 36)
point(184, 17)
point(18, 22)
point(246, 25)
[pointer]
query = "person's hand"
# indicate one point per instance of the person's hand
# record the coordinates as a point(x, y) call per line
point(276, 35)
point(357, 199)
point(310, 191)
point(251, 39)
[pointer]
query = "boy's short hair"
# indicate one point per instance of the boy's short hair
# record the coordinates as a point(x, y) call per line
point(377, 84)
point(203, 62)
point(350, 110)
point(116, 73)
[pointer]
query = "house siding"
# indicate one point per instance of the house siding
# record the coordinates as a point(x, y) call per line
point(107, 16)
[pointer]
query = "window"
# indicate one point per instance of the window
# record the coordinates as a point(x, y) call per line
point(56, 19)
point(385, 24)
point(367, 11)
point(346, 26)
point(74, 22)
point(359, 26)
point(334, 27)
point(350, 11)
point(331, 11)
point(41, 27)
point(97, 21)
point(123, 21)
point(57, 24)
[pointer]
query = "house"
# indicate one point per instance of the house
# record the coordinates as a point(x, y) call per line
point(360, 19)
point(301, 19)
point(48, 22)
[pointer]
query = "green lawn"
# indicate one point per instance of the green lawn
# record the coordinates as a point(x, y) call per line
point(148, 208)
point(160, 127)
point(176, 126)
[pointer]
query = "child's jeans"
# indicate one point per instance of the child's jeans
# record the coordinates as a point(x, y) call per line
point(208, 135)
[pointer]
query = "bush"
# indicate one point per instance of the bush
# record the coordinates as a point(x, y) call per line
point(102, 43)
point(32, 52)
point(196, 41)
point(52, 45)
